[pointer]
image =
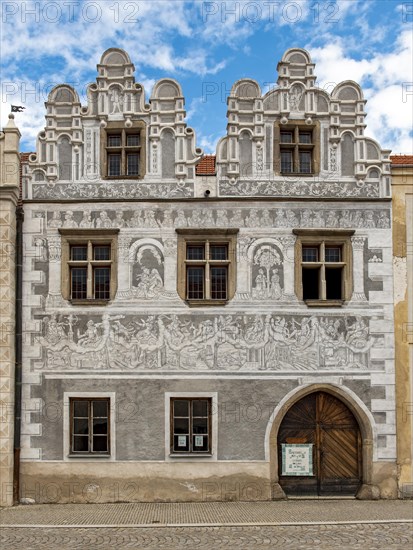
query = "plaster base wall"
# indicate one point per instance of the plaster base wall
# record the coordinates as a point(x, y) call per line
point(51, 482)
point(145, 482)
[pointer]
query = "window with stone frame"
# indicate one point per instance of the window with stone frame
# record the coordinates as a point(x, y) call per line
point(297, 148)
point(89, 265)
point(206, 265)
point(89, 426)
point(123, 151)
point(190, 425)
point(324, 269)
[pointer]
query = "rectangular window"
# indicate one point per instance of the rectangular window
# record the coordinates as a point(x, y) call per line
point(89, 264)
point(286, 161)
point(123, 150)
point(295, 149)
point(89, 426)
point(191, 425)
point(206, 265)
point(324, 266)
point(114, 164)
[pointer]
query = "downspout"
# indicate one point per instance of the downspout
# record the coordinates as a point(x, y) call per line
point(18, 341)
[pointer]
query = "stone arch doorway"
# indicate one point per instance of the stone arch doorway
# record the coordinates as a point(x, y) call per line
point(319, 447)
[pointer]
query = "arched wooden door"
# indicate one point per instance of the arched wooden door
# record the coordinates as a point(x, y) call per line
point(322, 436)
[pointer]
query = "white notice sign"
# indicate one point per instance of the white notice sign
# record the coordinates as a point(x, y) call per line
point(297, 459)
point(181, 440)
point(199, 440)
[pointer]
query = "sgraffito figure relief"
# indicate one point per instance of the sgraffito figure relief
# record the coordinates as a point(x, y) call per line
point(221, 343)
point(147, 280)
point(266, 282)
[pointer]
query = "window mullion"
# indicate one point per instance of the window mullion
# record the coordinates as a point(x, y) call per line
point(207, 273)
point(90, 425)
point(89, 288)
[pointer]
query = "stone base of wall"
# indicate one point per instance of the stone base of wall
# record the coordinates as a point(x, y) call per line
point(62, 482)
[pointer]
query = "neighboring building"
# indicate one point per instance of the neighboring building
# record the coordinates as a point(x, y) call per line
point(402, 192)
point(9, 196)
point(215, 329)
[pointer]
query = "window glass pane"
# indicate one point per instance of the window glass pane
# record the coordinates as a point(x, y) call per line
point(132, 140)
point(80, 409)
point(100, 408)
point(78, 276)
point(218, 252)
point(311, 279)
point(181, 408)
point(81, 443)
point(333, 254)
point(219, 283)
point(78, 253)
point(334, 283)
point(200, 425)
point(100, 444)
point(305, 162)
point(81, 426)
point(101, 283)
point(101, 252)
point(286, 137)
point(181, 443)
point(200, 443)
point(114, 165)
point(114, 140)
point(310, 254)
point(181, 426)
point(200, 407)
point(132, 164)
point(100, 426)
point(195, 252)
point(305, 137)
point(286, 161)
point(195, 283)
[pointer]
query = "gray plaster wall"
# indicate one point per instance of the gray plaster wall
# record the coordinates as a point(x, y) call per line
point(244, 410)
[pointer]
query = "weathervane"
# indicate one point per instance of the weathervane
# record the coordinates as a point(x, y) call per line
point(17, 108)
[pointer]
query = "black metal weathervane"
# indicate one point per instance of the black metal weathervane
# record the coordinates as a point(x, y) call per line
point(17, 108)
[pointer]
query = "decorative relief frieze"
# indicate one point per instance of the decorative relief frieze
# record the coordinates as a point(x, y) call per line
point(146, 218)
point(110, 190)
point(225, 343)
point(295, 188)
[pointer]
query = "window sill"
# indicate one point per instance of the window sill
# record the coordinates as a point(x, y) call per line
point(137, 177)
point(190, 455)
point(324, 303)
point(89, 302)
point(304, 174)
point(89, 456)
point(200, 303)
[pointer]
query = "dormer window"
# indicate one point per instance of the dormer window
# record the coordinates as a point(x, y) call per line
point(296, 149)
point(123, 152)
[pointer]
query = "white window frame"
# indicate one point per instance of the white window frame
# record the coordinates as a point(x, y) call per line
point(67, 396)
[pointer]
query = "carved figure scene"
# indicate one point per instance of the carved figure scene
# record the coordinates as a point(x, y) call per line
point(216, 343)
point(237, 217)
point(147, 273)
point(265, 274)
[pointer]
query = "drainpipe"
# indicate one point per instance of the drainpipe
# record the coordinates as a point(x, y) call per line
point(18, 341)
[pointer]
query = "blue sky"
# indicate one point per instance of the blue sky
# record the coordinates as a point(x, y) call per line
point(207, 46)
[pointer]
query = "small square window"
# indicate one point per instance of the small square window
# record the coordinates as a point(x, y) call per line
point(114, 140)
point(132, 140)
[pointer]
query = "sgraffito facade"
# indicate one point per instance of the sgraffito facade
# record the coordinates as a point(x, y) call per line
point(173, 318)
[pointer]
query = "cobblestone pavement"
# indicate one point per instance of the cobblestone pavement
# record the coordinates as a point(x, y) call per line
point(344, 524)
point(351, 536)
